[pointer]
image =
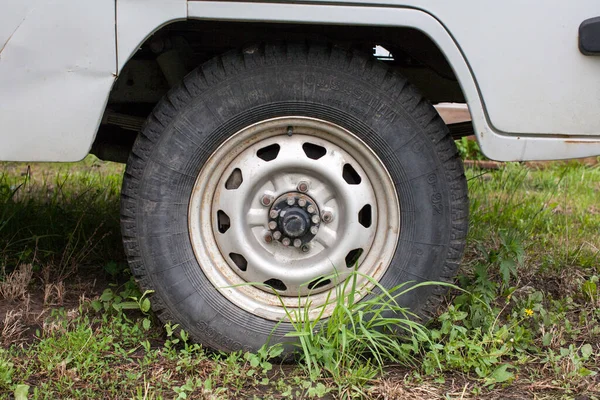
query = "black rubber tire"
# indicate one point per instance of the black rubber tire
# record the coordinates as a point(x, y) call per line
point(242, 87)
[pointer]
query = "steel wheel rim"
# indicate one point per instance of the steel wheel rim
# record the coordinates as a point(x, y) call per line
point(269, 162)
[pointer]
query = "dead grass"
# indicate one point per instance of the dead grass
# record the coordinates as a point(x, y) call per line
point(13, 327)
point(16, 283)
point(54, 293)
point(528, 385)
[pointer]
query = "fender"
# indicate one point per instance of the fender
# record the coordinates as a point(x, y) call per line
point(494, 143)
point(138, 19)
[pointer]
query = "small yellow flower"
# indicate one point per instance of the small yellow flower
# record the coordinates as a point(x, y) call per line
point(528, 312)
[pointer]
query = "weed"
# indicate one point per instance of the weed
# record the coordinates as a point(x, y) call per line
point(569, 364)
point(354, 343)
point(7, 370)
point(589, 289)
point(260, 361)
point(469, 149)
point(21, 392)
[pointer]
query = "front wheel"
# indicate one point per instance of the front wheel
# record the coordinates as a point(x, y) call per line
point(272, 173)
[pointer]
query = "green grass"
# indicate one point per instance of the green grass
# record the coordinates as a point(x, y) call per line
point(353, 345)
point(553, 211)
point(526, 324)
point(60, 217)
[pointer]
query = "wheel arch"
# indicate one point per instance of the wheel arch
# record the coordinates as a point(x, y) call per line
point(441, 74)
point(495, 144)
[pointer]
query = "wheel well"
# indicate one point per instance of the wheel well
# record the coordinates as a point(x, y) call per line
point(175, 49)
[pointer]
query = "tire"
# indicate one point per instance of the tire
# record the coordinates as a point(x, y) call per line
point(181, 179)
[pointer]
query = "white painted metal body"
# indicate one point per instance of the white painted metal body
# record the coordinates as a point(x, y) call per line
point(530, 92)
point(57, 66)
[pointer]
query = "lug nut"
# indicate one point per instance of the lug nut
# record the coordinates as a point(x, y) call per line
point(276, 235)
point(305, 248)
point(273, 213)
point(266, 200)
point(297, 243)
point(301, 202)
point(303, 186)
point(291, 201)
point(285, 242)
point(272, 225)
point(327, 216)
point(268, 237)
point(311, 209)
point(314, 230)
point(315, 219)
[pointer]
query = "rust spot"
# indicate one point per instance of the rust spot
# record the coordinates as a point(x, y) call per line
point(582, 141)
point(268, 238)
point(377, 270)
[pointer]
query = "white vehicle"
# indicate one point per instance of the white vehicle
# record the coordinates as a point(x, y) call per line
point(273, 147)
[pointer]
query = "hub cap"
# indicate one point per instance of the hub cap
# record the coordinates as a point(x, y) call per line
point(286, 202)
point(296, 217)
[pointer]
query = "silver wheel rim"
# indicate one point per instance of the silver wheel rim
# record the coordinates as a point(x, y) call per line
point(305, 180)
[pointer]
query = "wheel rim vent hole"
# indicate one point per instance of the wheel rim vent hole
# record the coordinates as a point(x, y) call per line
point(268, 153)
point(235, 180)
point(352, 257)
point(314, 151)
point(350, 175)
point(365, 216)
point(318, 283)
point(239, 260)
point(276, 284)
point(223, 221)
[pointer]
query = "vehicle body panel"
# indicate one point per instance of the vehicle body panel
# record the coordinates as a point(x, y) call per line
point(12, 15)
point(138, 19)
point(56, 70)
point(531, 93)
point(530, 141)
point(524, 57)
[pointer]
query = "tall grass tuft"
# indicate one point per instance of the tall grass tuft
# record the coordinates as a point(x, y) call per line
point(362, 334)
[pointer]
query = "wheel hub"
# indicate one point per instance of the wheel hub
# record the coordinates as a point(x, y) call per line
point(295, 223)
point(294, 219)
